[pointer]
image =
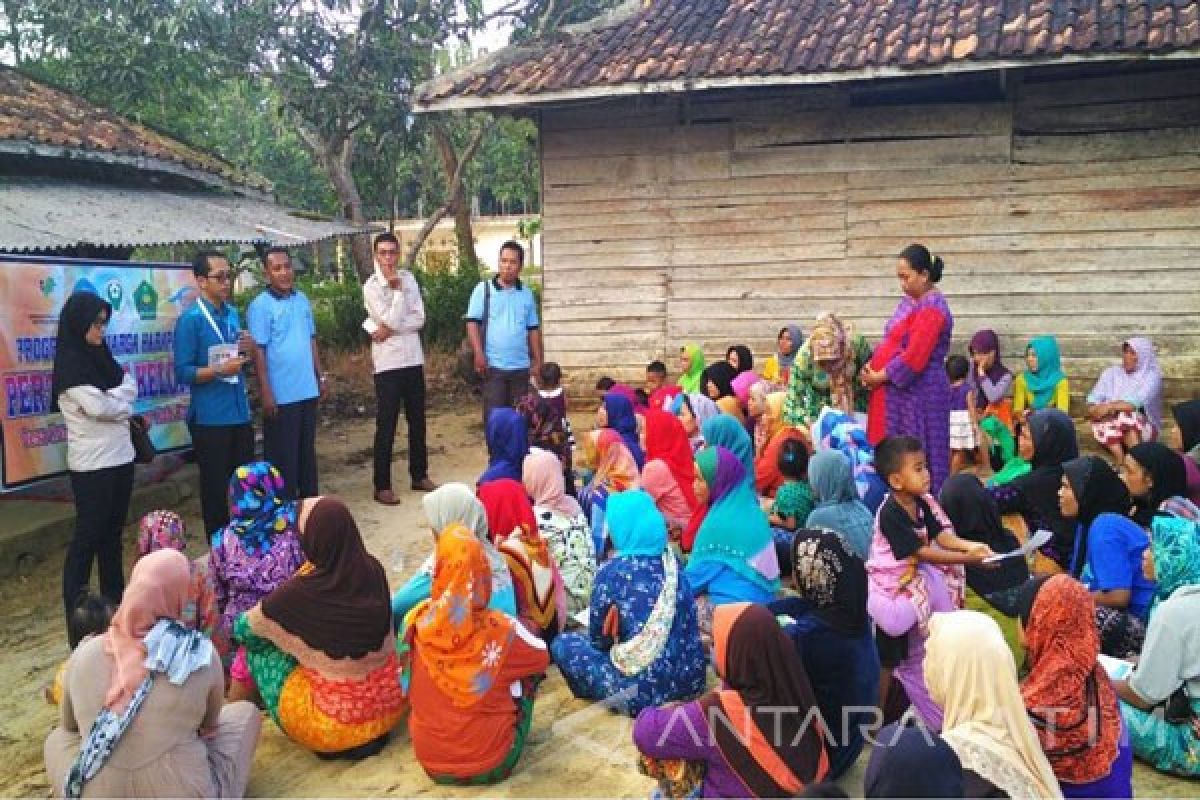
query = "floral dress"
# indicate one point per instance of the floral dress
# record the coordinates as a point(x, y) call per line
point(632, 585)
point(570, 542)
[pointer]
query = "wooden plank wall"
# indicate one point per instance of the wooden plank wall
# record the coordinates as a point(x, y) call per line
point(1070, 206)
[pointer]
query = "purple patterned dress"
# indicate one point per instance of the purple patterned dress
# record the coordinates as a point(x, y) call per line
point(241, 580)
point(916, 399)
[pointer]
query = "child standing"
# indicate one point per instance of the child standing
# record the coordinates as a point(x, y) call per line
point(793, 500)
point(545, 413)
point(914, 569)
point(962, 414)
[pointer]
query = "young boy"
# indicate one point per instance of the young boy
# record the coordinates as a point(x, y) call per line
point(914, 568)
point(962, 414)
point(659, 394)
point(793, 500)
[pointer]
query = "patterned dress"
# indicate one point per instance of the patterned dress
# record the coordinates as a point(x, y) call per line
point(241, 579)
point(631, 585)
point(571, 546)
point(916, 399)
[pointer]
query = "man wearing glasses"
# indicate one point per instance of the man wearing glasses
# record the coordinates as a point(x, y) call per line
point(210, 351)
point(395, 317)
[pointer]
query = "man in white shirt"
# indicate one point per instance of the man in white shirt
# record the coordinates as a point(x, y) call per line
point(395, 317)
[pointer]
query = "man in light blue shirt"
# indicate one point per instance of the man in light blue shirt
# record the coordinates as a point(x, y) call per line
point(210, 352)
point(289, 374)
point(507, 338)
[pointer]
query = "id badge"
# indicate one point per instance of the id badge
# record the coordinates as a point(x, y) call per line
point(220, 353)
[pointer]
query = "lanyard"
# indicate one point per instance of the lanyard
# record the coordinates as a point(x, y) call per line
point(211, 321)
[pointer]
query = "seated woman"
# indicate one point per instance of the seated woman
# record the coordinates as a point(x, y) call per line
point(1160, 701)
point(770, 434)
point(469, 722)
point(694, 410)
point(828, 623)
point(1068, 695)
point(1125, 405)
point(691, 366)
point(717, 380)
point(971, 675)
point(1108, 553)
point(838, 508)
point(541, 598)
point(251, 556)
point(825, 374)
point(752, 737)
point(642, 647)
point(740, 358)
point(562, 526)
point(614, 471)
point(1042, 384)
point(1000, 448)
point(778, 367)
point(1156, 477)
point(446, 505)
point(725, 431)
point(616, 412)
point(143, 711)
point(1185, 439)
point(507, 443)
point(733, 556)
point(670, 470)
point(989, 378)
point(320, 647)
point(994, 588)
point(1047, 441)
point(909, 761)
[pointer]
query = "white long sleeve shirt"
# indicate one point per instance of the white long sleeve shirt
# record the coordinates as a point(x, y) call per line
point(403, 312)
point(98, 425)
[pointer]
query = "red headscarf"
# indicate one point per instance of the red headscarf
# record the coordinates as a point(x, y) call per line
point(667, 441)
point(509, 513)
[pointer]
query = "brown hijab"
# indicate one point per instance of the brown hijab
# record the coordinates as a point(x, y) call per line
point(338, 601)
point(763, 720)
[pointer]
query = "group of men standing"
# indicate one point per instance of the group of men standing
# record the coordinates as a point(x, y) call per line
point(212, 348)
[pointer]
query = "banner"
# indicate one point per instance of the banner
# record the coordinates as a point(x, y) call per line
point(146, 299)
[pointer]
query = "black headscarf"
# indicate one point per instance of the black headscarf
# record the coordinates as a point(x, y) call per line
point(1187, 416)
point(745, 357)
point(721, 374)
point(77, 363)
point(1028, 596)
point(1098, 490)
point(1054, 443)
point(830, 577)
point(1168, 472)
point(976, 517)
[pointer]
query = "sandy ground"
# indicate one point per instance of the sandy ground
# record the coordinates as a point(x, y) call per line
point(576, 749)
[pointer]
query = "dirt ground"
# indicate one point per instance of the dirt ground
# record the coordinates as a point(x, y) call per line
point(576, 749)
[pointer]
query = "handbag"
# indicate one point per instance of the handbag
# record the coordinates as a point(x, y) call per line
point(139, 434)
point(466, 353)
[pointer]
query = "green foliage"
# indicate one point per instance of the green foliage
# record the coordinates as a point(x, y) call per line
point(446, 293)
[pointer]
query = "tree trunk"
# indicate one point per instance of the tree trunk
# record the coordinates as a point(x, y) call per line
point(336, 157)
point(457, 195)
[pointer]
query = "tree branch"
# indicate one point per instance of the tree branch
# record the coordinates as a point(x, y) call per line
point(443, 141)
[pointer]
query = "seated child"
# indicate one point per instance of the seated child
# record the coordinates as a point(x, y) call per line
point(659, 394)
point(914, 568)
point(90, 617)
point(793, 501)
point(962, 414)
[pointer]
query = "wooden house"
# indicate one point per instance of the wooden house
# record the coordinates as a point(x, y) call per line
point(713, 169)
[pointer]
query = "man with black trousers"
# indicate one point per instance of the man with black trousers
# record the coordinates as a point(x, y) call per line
point(210, 352)
point(395, 317)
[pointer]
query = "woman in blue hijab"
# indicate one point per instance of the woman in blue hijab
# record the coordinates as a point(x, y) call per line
point(618, 415)
point(507, 437)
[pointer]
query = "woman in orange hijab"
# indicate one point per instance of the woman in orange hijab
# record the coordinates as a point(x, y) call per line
point(467, 727)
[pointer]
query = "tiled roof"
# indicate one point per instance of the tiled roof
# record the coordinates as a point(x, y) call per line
point(676, 44)
point(39, 119)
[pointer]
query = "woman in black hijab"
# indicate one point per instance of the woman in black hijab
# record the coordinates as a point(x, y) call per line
point(740, 358)
point(976, 517)
point(1047, 441)
point(717, 380)
point(96, 397)
point(1157, 479)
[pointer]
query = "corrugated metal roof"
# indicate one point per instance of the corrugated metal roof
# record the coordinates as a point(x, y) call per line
point(45, 213)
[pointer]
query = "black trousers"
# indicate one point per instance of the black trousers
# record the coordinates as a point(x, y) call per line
point(503, 388)
point(396, 389)
point(290, 443)
point(220, 449)
point(101, 506)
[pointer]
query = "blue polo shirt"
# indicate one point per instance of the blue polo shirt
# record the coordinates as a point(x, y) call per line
point(512, 313)
point(284, 326)
point(215, 402)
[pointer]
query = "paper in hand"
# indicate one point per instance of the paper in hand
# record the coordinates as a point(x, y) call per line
point(370, 326)
point(1035, 541)
point(1117, 669)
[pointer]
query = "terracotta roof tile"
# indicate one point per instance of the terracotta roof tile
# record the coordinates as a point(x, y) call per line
point(712, 39)
point(34, 113)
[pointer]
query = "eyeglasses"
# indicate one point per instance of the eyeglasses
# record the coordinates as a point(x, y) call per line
point(223, 277)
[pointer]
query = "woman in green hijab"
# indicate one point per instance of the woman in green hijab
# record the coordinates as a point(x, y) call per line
point(691, 364)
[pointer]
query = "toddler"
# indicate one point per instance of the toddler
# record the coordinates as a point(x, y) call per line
point(793, 500)
point(90, 617)
point(962, 414)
